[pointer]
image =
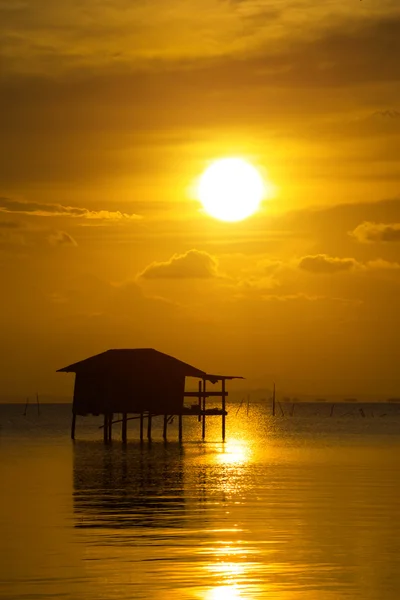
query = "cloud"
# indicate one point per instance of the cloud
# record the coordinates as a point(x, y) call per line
point(376, 232)
point(389, 113)
point(322, 263)
point(61, 238)
point(194, 264)
point(10, 225)
point(301, 297)
point(339, 40)
point(381, 264)
point(235, 88)
point(9, 205)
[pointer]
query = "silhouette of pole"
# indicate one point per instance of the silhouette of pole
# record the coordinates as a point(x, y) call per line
point(149, 427)
point(203, 424)
point(141, 427)
point(200, 389)
point(110, 420)
point(73, 426)
point(273, 401)
point(223, 409)
point(180, 428)
point(165, 427)
point(124, 427)
point(105, 427)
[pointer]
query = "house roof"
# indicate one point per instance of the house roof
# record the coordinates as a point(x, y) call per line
point(139, 359)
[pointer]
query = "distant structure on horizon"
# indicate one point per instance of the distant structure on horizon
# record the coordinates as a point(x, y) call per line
point(145, 383)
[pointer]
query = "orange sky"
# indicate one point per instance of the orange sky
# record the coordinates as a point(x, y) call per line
point(110, 111)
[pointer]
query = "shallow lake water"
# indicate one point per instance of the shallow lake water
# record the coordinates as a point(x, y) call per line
point(289, 508)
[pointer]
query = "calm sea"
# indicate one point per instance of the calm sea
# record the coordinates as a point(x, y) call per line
point(289, 508)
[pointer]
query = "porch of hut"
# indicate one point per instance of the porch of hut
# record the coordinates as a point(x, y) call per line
point(143, 383)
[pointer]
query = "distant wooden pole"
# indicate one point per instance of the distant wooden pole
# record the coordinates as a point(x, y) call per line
point(240, 406)
point(149, 427)
point(165, 427)
point(73, 426)
point(124, 427)
point(273, 402)
point(105, 427)
point(26, 407)
point(141, 427)
point(180, 428)
point(223, 409)
point(332, 408)
point(200, 389)
point(203, 424)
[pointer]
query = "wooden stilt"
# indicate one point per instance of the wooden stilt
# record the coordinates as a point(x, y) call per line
point(149, 427)
point(273, 402)
point(223, 409)
point(105, 427)
point(203, 425)
point(124, 427)
point(180, 428)
point(141, 427)
point(165, 427)
point(110, 420)
point(73, 426)
point(200, 389)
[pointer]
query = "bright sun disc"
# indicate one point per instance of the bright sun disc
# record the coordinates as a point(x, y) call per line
point(231, 189)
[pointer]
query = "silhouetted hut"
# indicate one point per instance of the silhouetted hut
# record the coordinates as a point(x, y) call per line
point(140, 381)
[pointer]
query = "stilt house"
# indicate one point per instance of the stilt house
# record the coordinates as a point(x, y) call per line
point(140, 381)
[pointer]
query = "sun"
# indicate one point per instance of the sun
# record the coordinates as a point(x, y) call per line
point(231, 189)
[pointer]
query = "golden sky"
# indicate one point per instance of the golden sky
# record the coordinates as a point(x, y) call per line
point(110, 111)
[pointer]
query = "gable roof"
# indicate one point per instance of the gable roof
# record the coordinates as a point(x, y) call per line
point(143, 359)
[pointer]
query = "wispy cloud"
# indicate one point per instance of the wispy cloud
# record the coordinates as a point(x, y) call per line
point(194, 264)
point(322, 263)
point(376, 232)
point(381, 264)
point(61, 238)
point(9, 205)
point(10, 225)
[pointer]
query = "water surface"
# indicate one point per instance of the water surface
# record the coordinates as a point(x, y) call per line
point(289, 508)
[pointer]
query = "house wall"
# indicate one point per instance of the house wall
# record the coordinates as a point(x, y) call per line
point(127, 391)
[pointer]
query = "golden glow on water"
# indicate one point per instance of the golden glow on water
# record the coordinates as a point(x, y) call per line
point(234, 452)
point(227, 569)
point(224, 592)
point(295, 515)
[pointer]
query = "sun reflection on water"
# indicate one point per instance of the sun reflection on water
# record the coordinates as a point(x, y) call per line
point(234, 452)
point(223, 592)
